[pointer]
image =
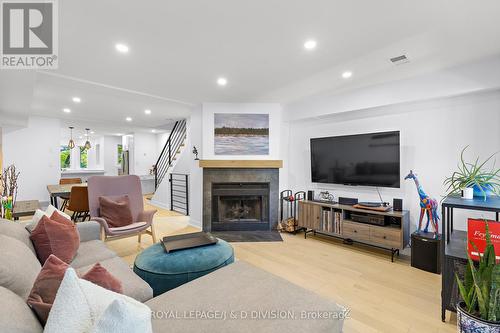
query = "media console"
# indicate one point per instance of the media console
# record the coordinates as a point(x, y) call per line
point(387, 230)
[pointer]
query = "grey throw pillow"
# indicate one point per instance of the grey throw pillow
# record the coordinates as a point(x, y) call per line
point(19, 267)
point(16, 316)
point(16, 230)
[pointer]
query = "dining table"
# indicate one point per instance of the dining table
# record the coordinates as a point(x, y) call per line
point(59, 190)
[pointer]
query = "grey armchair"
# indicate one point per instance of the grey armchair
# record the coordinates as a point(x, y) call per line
point(121, 185)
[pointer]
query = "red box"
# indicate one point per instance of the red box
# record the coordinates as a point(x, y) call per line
point(476, 232)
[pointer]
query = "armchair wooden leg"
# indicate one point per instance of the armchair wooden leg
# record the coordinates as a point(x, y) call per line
point(139, 237)
point(153, 235)
point(103, 235)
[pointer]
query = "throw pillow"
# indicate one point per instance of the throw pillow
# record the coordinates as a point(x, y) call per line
point(18, 266)
point(40, 213)
point(45, 287)
point(116, 210)
point(59, 237)
point(81, 306)
point(16, 316)
point(49, 279)
point(17, 231)
point(100, 276)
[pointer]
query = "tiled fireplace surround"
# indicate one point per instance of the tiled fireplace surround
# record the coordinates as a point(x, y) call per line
point(243, 176)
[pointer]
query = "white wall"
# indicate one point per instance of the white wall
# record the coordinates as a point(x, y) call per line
point(145, 153)
point(195, 138)
point(161, 140)
point(274, 111)
point(110, 154)
point(35, 152)
point(432, 136)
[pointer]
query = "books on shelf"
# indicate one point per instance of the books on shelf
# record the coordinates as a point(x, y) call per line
point(330, 222)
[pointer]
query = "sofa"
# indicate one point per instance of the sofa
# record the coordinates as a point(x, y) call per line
point(235, 298)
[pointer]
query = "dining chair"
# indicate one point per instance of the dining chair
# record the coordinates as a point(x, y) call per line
point(65, 197)
point(112, 186)
point(79, 203)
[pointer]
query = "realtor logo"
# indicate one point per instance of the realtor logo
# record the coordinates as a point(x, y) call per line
point(29, 34)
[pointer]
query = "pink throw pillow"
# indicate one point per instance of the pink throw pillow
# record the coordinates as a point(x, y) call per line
point(45, 287)
point(100, 276)
point(116, 210)
point(58, 236)
point(50, 277)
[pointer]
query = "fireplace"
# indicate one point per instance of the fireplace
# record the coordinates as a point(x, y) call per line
point(240, 206)
point(240, 199)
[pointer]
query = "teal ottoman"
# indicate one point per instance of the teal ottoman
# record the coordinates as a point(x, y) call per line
point(165, 271)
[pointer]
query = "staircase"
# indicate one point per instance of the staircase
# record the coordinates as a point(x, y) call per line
point(170, 152)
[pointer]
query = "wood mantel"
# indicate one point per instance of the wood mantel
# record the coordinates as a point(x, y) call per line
point(250, 164)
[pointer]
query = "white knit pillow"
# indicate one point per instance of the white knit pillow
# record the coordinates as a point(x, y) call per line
point(48, 212)
point(83, 307)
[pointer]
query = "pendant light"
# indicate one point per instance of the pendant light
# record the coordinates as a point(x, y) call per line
point(71, 143)
point(87, 143)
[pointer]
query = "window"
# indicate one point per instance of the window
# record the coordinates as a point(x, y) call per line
point(83, 158)
point(120, 153)
point(65, 157)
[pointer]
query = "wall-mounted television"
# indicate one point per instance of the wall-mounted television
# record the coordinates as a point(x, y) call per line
point(371, 159)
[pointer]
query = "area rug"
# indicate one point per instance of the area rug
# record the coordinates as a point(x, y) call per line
point(248, 236)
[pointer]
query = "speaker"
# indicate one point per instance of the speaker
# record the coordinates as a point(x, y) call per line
point(397, 205)
point(425, 252)
point(348, 201)
point(310, 195)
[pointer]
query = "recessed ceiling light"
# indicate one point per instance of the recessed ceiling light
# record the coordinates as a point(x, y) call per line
point(222, 81)
point(119, 134)
point(128, 119)
point(310, 44)
point(76, 99)
point(122, 48)
point(92, 132)
point(147, 111)
point(346, 75)
point(153, 131)
point(66, 110)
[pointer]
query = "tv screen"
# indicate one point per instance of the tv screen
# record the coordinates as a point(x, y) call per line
point(364, 159)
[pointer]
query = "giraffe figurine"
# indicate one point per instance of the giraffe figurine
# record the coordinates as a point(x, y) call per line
point(428, 205)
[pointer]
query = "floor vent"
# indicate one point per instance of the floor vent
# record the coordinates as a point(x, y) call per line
point(402, 59)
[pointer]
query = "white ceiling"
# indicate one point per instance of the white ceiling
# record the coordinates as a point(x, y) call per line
point(179, 48)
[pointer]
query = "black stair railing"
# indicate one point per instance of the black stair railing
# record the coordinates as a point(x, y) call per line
point(179, 193)
point(170, 151)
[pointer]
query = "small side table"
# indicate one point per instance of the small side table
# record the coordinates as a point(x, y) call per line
point(25, 208)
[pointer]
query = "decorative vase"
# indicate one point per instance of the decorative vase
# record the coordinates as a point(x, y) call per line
point(488, 190)
point(468, 323)
point(468, 193)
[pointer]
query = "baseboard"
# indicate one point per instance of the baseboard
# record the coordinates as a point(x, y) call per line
point(158, 204)
point(192, 223)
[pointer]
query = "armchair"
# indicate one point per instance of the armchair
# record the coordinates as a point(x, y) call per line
point(121, 185)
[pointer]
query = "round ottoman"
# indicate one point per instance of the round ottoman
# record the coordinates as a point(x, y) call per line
point(164, 271)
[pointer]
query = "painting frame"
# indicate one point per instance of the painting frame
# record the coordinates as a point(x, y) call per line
point(241, 134)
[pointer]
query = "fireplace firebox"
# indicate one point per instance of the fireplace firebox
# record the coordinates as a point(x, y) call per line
point(240, 206)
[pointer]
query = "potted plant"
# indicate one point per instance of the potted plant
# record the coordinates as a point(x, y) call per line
point(8, 191)
point(474, 179)
point(480, 291)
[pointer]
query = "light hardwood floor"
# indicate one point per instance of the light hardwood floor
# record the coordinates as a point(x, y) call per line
point(383, 296)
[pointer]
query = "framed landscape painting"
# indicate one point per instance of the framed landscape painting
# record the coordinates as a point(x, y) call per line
point(241, 134)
